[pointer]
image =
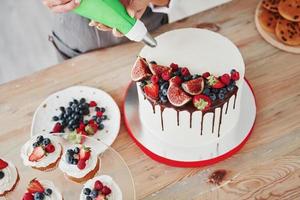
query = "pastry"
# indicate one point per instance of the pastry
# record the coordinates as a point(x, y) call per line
point(288, 32)
point(268, 20)
point(9, 177)
point(290, 10)
point(271, 5)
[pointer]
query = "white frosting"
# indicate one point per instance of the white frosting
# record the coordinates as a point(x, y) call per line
point(9, 179)
point(201, 51)
point(56, 195)
point(116, 193)
point(73, 170)
point(48, 159)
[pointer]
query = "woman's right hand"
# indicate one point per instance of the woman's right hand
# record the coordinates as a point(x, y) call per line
point(61, 6)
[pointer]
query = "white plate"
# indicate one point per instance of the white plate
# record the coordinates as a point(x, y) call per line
point(42, 119)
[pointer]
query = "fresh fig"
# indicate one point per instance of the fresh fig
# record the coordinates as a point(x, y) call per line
point(140, 70)
point(177, 96)
point(193, 87)
point(158, 69)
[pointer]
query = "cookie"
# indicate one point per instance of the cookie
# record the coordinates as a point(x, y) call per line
point(271, 5)
point(288, 32)
point(290, 10)
point(268, 20)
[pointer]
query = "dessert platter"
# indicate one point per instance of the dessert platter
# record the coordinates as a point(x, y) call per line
point(278, 22)
point(194, 105)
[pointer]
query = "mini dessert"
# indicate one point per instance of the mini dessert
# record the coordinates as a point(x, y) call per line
point(101, 188)
point(9, 177)
point(79, 163)
point(288, 32)
point(290, 9)
point(271, 5)
point(268, 20)
point(80, 116)
point(42, 153)
point(42, 190)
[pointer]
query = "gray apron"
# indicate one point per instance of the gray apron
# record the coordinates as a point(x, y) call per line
point(72, 36)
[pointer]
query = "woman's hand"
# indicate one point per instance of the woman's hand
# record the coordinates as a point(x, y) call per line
point(61, 6)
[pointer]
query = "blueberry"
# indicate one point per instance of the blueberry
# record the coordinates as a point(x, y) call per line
point(87, 191)
point(160, 81)
point(233, 70)
point(153, 62)
point(102, 109)
point(71, 129)
point(163, 99)
point(212, 96)
point(35, 144)
point(40, 139)
point(143, 83)
point(101, 126)
point(70, 151)
point(206, 91)
point(230, 88)
point(48, 192)
point(84, 111)
point(70, 103)
point(62, 109)
point(46, 141)
point(94, 118)
point(214, 90)
point(82, 100)
point(39, 196)
point(94, 193)
point(223, 90)
point(165, 85)
point(69, 158)
point(164, 92)
point(76, 101)
point(86, 122)
point(55, 118)
point(88, 198)
point(98, 120)
point(97, 109)
point(187, 78)
point(221, 96)
point(104, 117)
point(69, 110)
point(178, 72)
point(232, 82)
point(1, 175)
point(76, 150)
point(195, 76)
point(74, 161)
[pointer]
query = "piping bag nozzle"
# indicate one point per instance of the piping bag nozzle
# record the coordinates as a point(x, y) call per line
point(149, 40)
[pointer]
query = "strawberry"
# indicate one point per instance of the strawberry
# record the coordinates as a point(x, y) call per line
point(100, 197)
point(93, 104)
point(235, 75)
point(215, 82)
point(176, 80)
point(98, 185)
point(57, 128)
point(85, 153)
point(3, 164)
point(81, 127)
point(106, 190)
point(174, 67)
point(94, 127)
point(185, 71)
point(99, 114)
point(50, 148)
point(225, 78)
point(166, 75)
point(154, 79)
point(35, 186)
point(202, 102)
point(151, 91)
point(81, 164)
point(37, 153)
point(28, 196)
point(206, 75)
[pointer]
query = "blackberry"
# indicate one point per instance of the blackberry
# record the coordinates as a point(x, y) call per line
point(48, 192)
point(87, 191)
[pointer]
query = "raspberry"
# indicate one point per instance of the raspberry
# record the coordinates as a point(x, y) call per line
point(174, 67)
point(98, 185)
point(57, 128)
point(93, 104)
point(28, 196)
point(185, 71)
point(166, 75)
point(206, 75)
point(225, 78)
point(94, 127)
point(81, 127)
point(154, 79)
point(50, 148)
point(81, 164)
point(106, 190)
point(177, 80)
point(235, 75)
point(99, 114)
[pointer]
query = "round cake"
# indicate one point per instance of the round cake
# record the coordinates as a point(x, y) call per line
point(189, 87)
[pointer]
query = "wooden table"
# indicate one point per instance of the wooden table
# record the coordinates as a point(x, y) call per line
point(268, 167)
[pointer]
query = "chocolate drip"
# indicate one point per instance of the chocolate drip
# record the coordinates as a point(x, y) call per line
point(202, 117)
point(161, 117)
point(213, 123)
point(226, 107)
point(191, 114)
point(177, 117)
point(220, 120)
point(234, 100)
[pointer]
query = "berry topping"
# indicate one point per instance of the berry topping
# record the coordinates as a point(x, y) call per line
point(106, 190)
point(39, 196)
point(235, 75)
point(98, 185)
point(37, 154)
point(151, 91)
point(185, 71)
point(28, 196)
point(215, 82)
point(87, 191)
point(193, 87)
point(48, 192)
point(3, 164)
point(81, 164)
point(57, 128)
point(154, 79)
point(93, 104)
point(166, 75)
point(177, 96)
point(140, 70)
point(94, 193)
point(225, 78)
point(85, 153)
point(202, 102)
point(35, 186)
point(158, 69)
point(174, 67)
point(206, 75)
point(49, 148)
point(176, 80)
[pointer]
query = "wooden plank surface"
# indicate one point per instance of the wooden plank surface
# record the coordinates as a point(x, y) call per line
point(268, 167)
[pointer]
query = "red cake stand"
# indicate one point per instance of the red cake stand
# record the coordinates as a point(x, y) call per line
point(174, 155)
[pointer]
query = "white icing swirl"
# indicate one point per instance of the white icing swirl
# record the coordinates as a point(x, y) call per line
point(73, 170)
point(9, 179)
point(48, 159)
point(55, 195)
point(115, 194)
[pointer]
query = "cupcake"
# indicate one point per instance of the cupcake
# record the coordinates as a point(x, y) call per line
point(42, 153)
point(9, 177)
point(42, 190)
point(101, 188)
point(79, 163)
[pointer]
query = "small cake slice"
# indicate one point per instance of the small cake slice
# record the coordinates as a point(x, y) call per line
point(79, 163)
point(101, 188)
point(42, 190)
point(42, 153)
point(9, 177)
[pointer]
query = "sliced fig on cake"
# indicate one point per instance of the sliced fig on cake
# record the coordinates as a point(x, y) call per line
point(176, 95)
point(158, 69)
point(140, 70)
point(152, 91)
point(193, 87)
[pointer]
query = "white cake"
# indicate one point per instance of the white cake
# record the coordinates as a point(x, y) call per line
point(200, 51)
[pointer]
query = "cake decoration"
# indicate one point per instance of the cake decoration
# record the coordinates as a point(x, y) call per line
point(175, 87)
point(9, 177)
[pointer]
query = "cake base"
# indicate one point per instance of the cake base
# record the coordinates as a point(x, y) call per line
point(204, 154)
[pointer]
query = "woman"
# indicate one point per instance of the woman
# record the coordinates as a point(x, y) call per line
point(73, 34)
